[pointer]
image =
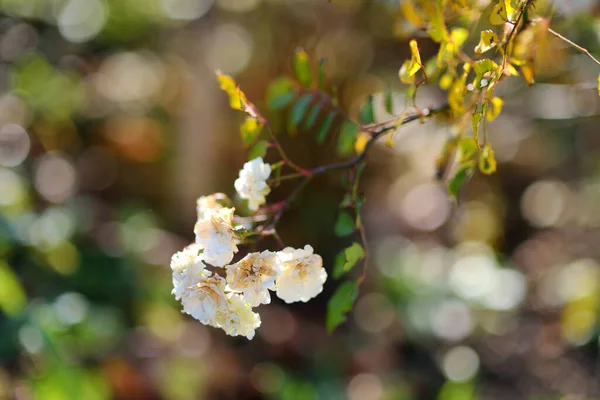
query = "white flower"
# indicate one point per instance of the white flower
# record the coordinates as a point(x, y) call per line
point(302, 276)
point(211, 202)
point(238, 319)
point(214, 233)
point(253, 276)
point(188, 269)
point(206, 299)
point(252, 183)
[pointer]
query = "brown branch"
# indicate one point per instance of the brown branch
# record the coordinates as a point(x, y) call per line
point(573, 44)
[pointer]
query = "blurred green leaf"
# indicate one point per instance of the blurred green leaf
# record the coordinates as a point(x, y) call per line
point(348, 134)
point(468, 148)
point(12, 295)
point(457, 391)
point(462, 175)
point(340, 304)
point(301, 68)
point(344, 225)
point(311, 119)
point(388, 101)
point(478, 114)
point(250, 130)
point(258, 150)
point(298, 112)
point(324, 129)
point(347, 259)
point(321, 77)
point(367, 114)
point(280, 93)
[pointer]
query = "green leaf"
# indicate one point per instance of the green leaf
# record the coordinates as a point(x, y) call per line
point(312, 116)
point(322, 134)
point(462, 175)
point(340, 304)
point(258, 150)
point(338, 264)
point(344, 225)
point(388, 101)
point(348, 134)
point(468, 148)
point(13, 298)
point(354, 254)
point(298, 112)
point(301, 68)
point(321, 77)
point(250, 130)
point(280, 93)
point(367, 114)
point(481, 67)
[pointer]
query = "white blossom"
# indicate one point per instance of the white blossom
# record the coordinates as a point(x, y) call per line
point(302, 275)
point(214, 233)
point(188, 269)
point(210, 202)
point(206, 299)
point(252, 182)
point(238, 319)
point(253, 276)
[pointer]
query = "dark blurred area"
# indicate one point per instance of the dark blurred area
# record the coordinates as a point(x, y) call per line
point(112, 124)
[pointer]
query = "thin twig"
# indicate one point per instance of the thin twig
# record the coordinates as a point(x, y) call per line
point(282, 153)
point(573, 44)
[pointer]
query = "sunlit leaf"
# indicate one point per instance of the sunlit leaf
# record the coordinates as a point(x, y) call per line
point(446, 81)
point(599, 85)
point(415, 60)
point(258, 150)
point(340, 304)
point(12, 295)
point(324, 129)
point(527, 72)
point(501, 12)
point(229, 86)
point(301, 68)
point(487, 162)
point(367, 114)
point(312, 116)
point(280, 93)
point(361, 141)
point(482, 67)
point(462, 175)
point(459, 36)
point(494, 109)
point(250, 130)
point(344, 225)
point(347, 138)
point(487, 41)
point(468, 148)
point(437, 28)
point(298, 112)
point(347, 259)
point(410, 13)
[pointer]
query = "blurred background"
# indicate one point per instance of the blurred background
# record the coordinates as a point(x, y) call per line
point(112, 124)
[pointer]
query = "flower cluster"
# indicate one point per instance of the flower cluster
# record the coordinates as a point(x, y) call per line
point(220, 293)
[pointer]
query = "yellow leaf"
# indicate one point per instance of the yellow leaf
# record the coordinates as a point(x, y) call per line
point(459, 36)
point(488, 40)
point(495, 109)
point(403, 73)
point(446, 53)
point(229, 86)
point(598, 84)
point(527, 72)
point(361, 142)
point(415, 61)
point(446, 81)
point(411, 14)
point(487, 162)
point(501, 12)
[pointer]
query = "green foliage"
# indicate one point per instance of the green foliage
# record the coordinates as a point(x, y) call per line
point(298, 112)
point(325, 127)
point(347, 259)
point(367, 114)
point(12, 295)
point(302, 69)
point(460, 178)
point(313, 115)
point(280, 93)
point(250, 130)
point(258, 150)
point(340, 304)
point(344, 225)
point(347, 138)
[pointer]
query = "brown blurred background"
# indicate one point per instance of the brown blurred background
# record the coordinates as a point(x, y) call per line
point(112, 124)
